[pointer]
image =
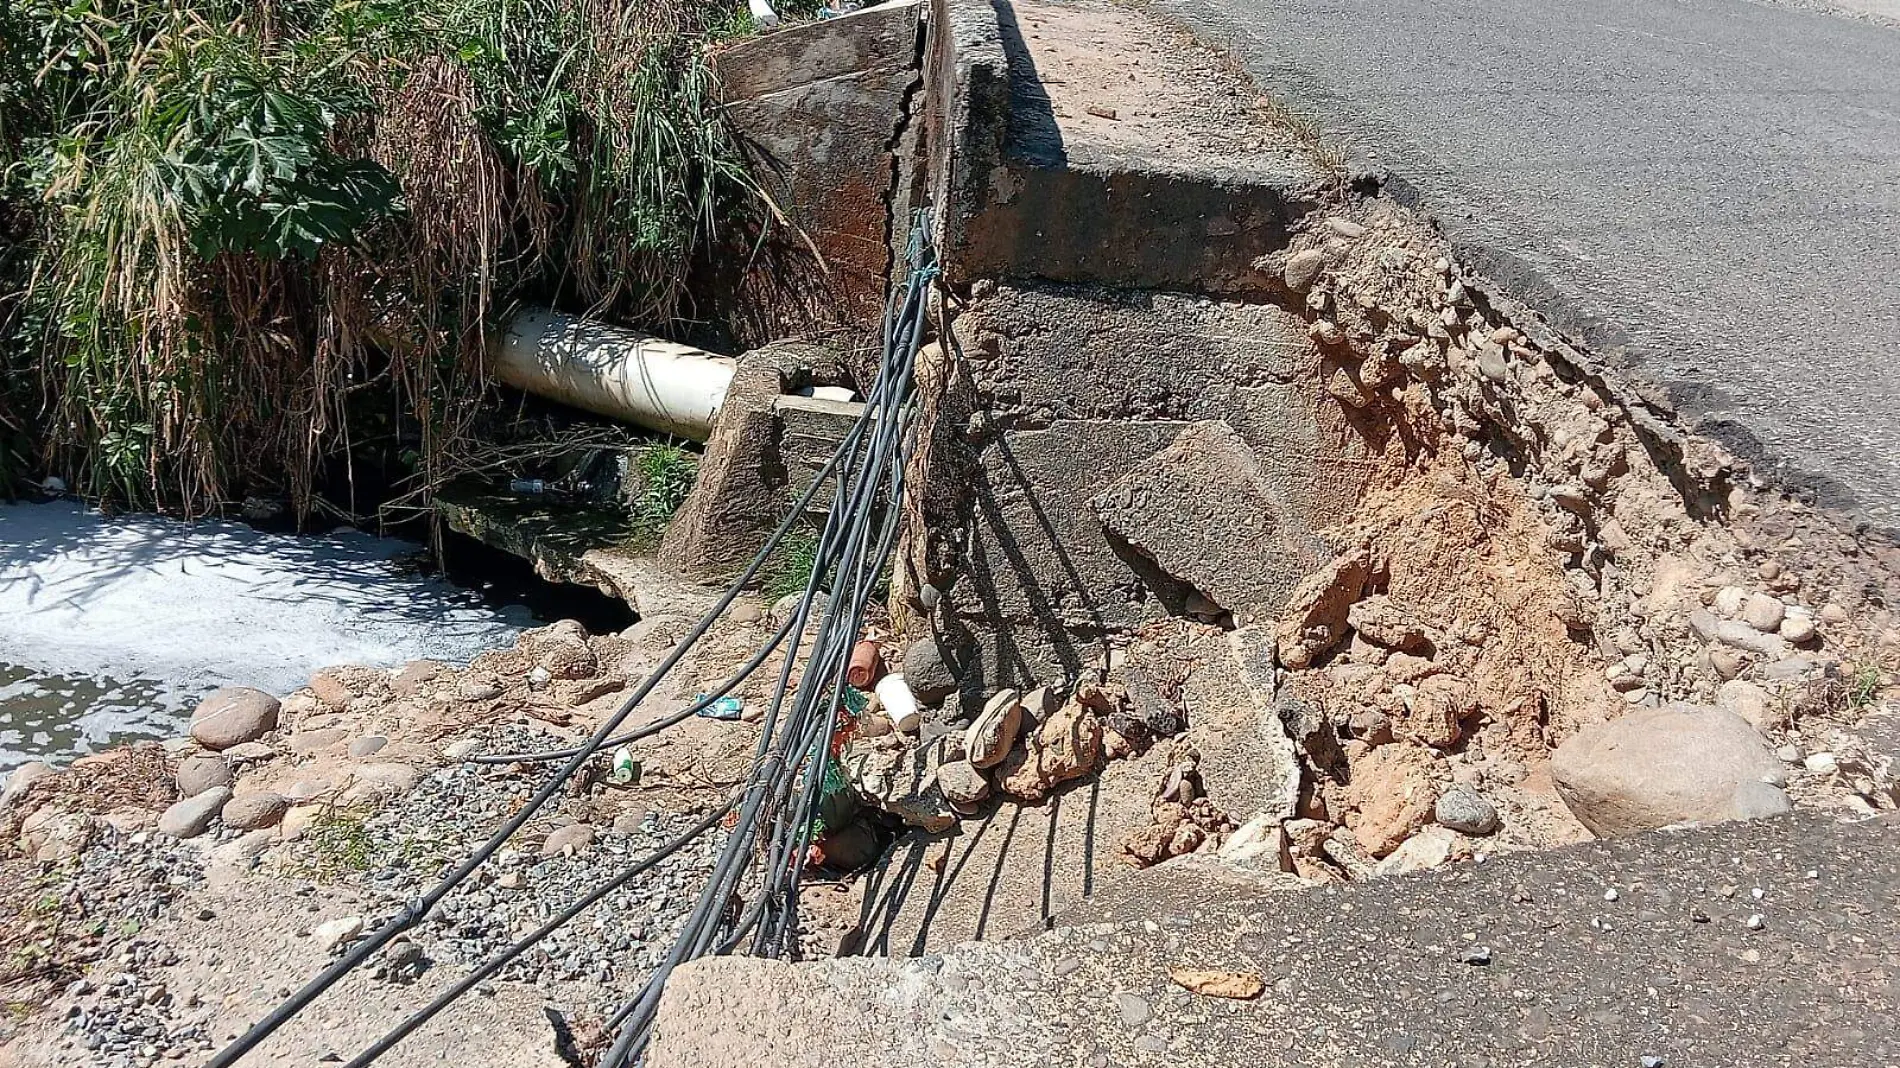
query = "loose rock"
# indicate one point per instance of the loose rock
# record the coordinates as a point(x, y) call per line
point(1315, 619)
point(1797, 628)
point(368, 746)
point(1464, 809)
point(1397, 794)
point(22, 777)
point(190, 817)
point(1751, 702)
point(1660, 766)
point(1066, 746)
point(1303, 269)
point(962, 784)
point(1240, 986)
point(568, 840)
point(1433, 847)
point(252, 811)
point(333, 933)
point(200, 773)
point(1763, 612)
point(927, 671)
point(233, 716)
point(993, 732)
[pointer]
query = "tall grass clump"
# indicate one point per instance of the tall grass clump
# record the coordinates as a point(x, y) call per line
point(237, 237)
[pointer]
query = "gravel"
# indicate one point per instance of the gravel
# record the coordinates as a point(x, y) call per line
point(616, 943)
point(120, 1014)
point(123, 1016)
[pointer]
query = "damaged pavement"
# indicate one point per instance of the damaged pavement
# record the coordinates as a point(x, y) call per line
point(1264, 546)
point(1298, 649)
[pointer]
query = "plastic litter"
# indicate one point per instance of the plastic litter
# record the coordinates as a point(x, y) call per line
point(626, 770)
point(866, 665)
point(899, 703)
point(528, 487)
point(726, 708)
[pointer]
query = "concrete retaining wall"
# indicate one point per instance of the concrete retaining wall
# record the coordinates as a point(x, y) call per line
point(823, 108)
point(1154, 441)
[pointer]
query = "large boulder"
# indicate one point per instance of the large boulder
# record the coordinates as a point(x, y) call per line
point(1660, 766)
point(233, 716)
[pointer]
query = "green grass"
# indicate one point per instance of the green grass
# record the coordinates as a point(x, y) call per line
point(788, 569)
point(665, 474)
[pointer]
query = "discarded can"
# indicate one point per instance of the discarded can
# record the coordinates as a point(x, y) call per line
point(899, 703)
point(727, 707)
point(866, 665)
point(626, 770)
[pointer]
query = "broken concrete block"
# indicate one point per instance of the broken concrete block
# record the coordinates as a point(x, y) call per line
point(809, 431)
point(1248, 763)
point(1209, 513)
point(900, 779)
point(1315, 619)
point(740, 493)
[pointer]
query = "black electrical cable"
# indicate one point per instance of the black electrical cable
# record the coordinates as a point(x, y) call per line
point(801, 746)
point(416, 910)
point(807, 728)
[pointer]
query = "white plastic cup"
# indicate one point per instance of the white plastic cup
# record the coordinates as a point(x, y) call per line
point(899, 703)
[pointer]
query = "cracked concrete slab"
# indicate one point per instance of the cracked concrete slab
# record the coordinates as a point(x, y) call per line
point(1764, 943)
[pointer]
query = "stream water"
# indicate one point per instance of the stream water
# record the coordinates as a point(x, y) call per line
point(111, 629)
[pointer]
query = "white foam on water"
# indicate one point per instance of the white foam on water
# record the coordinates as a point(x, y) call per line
point(189, 607)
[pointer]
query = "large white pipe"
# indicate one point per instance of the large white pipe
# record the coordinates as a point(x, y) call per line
point(611, 371)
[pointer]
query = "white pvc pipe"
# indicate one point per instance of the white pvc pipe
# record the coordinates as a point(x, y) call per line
point(615, 372)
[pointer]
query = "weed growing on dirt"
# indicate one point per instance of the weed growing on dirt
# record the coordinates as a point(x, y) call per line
point(790, 566)
point(666, 474)
point(335, 844)
point(1863, 686)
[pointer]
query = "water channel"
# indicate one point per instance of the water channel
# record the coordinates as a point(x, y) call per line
point(112, 628)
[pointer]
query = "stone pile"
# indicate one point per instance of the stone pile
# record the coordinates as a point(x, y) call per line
point(1018, 748)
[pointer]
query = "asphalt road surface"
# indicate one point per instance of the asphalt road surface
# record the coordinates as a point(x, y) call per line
point(1704, 192)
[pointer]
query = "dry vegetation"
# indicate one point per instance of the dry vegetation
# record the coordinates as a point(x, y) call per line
point(240, 242)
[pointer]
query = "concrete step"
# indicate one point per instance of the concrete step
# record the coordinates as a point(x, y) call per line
point(1122, 158)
